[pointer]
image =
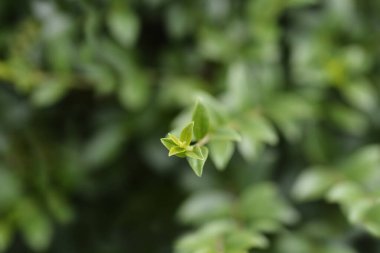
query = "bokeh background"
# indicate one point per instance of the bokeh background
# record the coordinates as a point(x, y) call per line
point(88, 88)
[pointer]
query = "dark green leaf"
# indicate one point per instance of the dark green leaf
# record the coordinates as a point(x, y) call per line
point(60, 208)
point(6, 232)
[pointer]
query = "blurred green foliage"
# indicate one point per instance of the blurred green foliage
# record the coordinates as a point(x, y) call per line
point(287, 90)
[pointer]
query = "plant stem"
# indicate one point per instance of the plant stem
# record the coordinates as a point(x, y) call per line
point(203, 141)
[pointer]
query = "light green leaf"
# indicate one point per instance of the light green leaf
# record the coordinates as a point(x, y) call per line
point(259, 128)
point(357, 210)
point(344, 192)
point(239, 86)
point(203, 240)
point(361, 94)
point(196, 153)
point(372, 219)
point(249, 147)
point(221, 152)
point(297, 3)
point(102, 77)
point(259, 241)
point(263, 203)
point(213, 44)
point(124, 26)
point(256, 131)
point(49, 92)
point(225, 134)
point(201, 121)
point(313, 184)
point(196, 164)
point(348, 119)
point(287, 110)
point(244, 239)
point(176, 150)
point(174, 139)
point(134, 90)
point(168, 143)
point(205, 206)
point(187, 134)
point(363, 166)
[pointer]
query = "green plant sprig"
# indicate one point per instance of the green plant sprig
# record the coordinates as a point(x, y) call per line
point(199, 130)
point(181, 147)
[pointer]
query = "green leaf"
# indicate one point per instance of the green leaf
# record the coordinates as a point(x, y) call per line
point(259, 128)
point(362, 95)
point(205, 206)
point(49, 92)
point(34, 224)
point(101, 76)
point(105, 144)
point(178, 20)
point(363, 166)
point(187, 134)
point(124, 26)
point(60, 208)
point(263, 202)
point(226, 134)
point(196, 164)
point(201, 121)
point(10, 188)
point(344, 192)
point(349, 120)
point(221, 152)
point(372, 219)
point(287, 110)
point(204, 239)
point(242, 239)
point(313, 184)
point(6, 232)
point(174, 139)
point(298, 3)
point(196, 153)
point(256, 131)
point(249, 147)
point(357, 210)
point(176, 150)
point(168, 143)
point(239, 86)
point(134, 89)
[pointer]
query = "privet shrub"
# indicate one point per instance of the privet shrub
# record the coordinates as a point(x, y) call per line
point(272, 104)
